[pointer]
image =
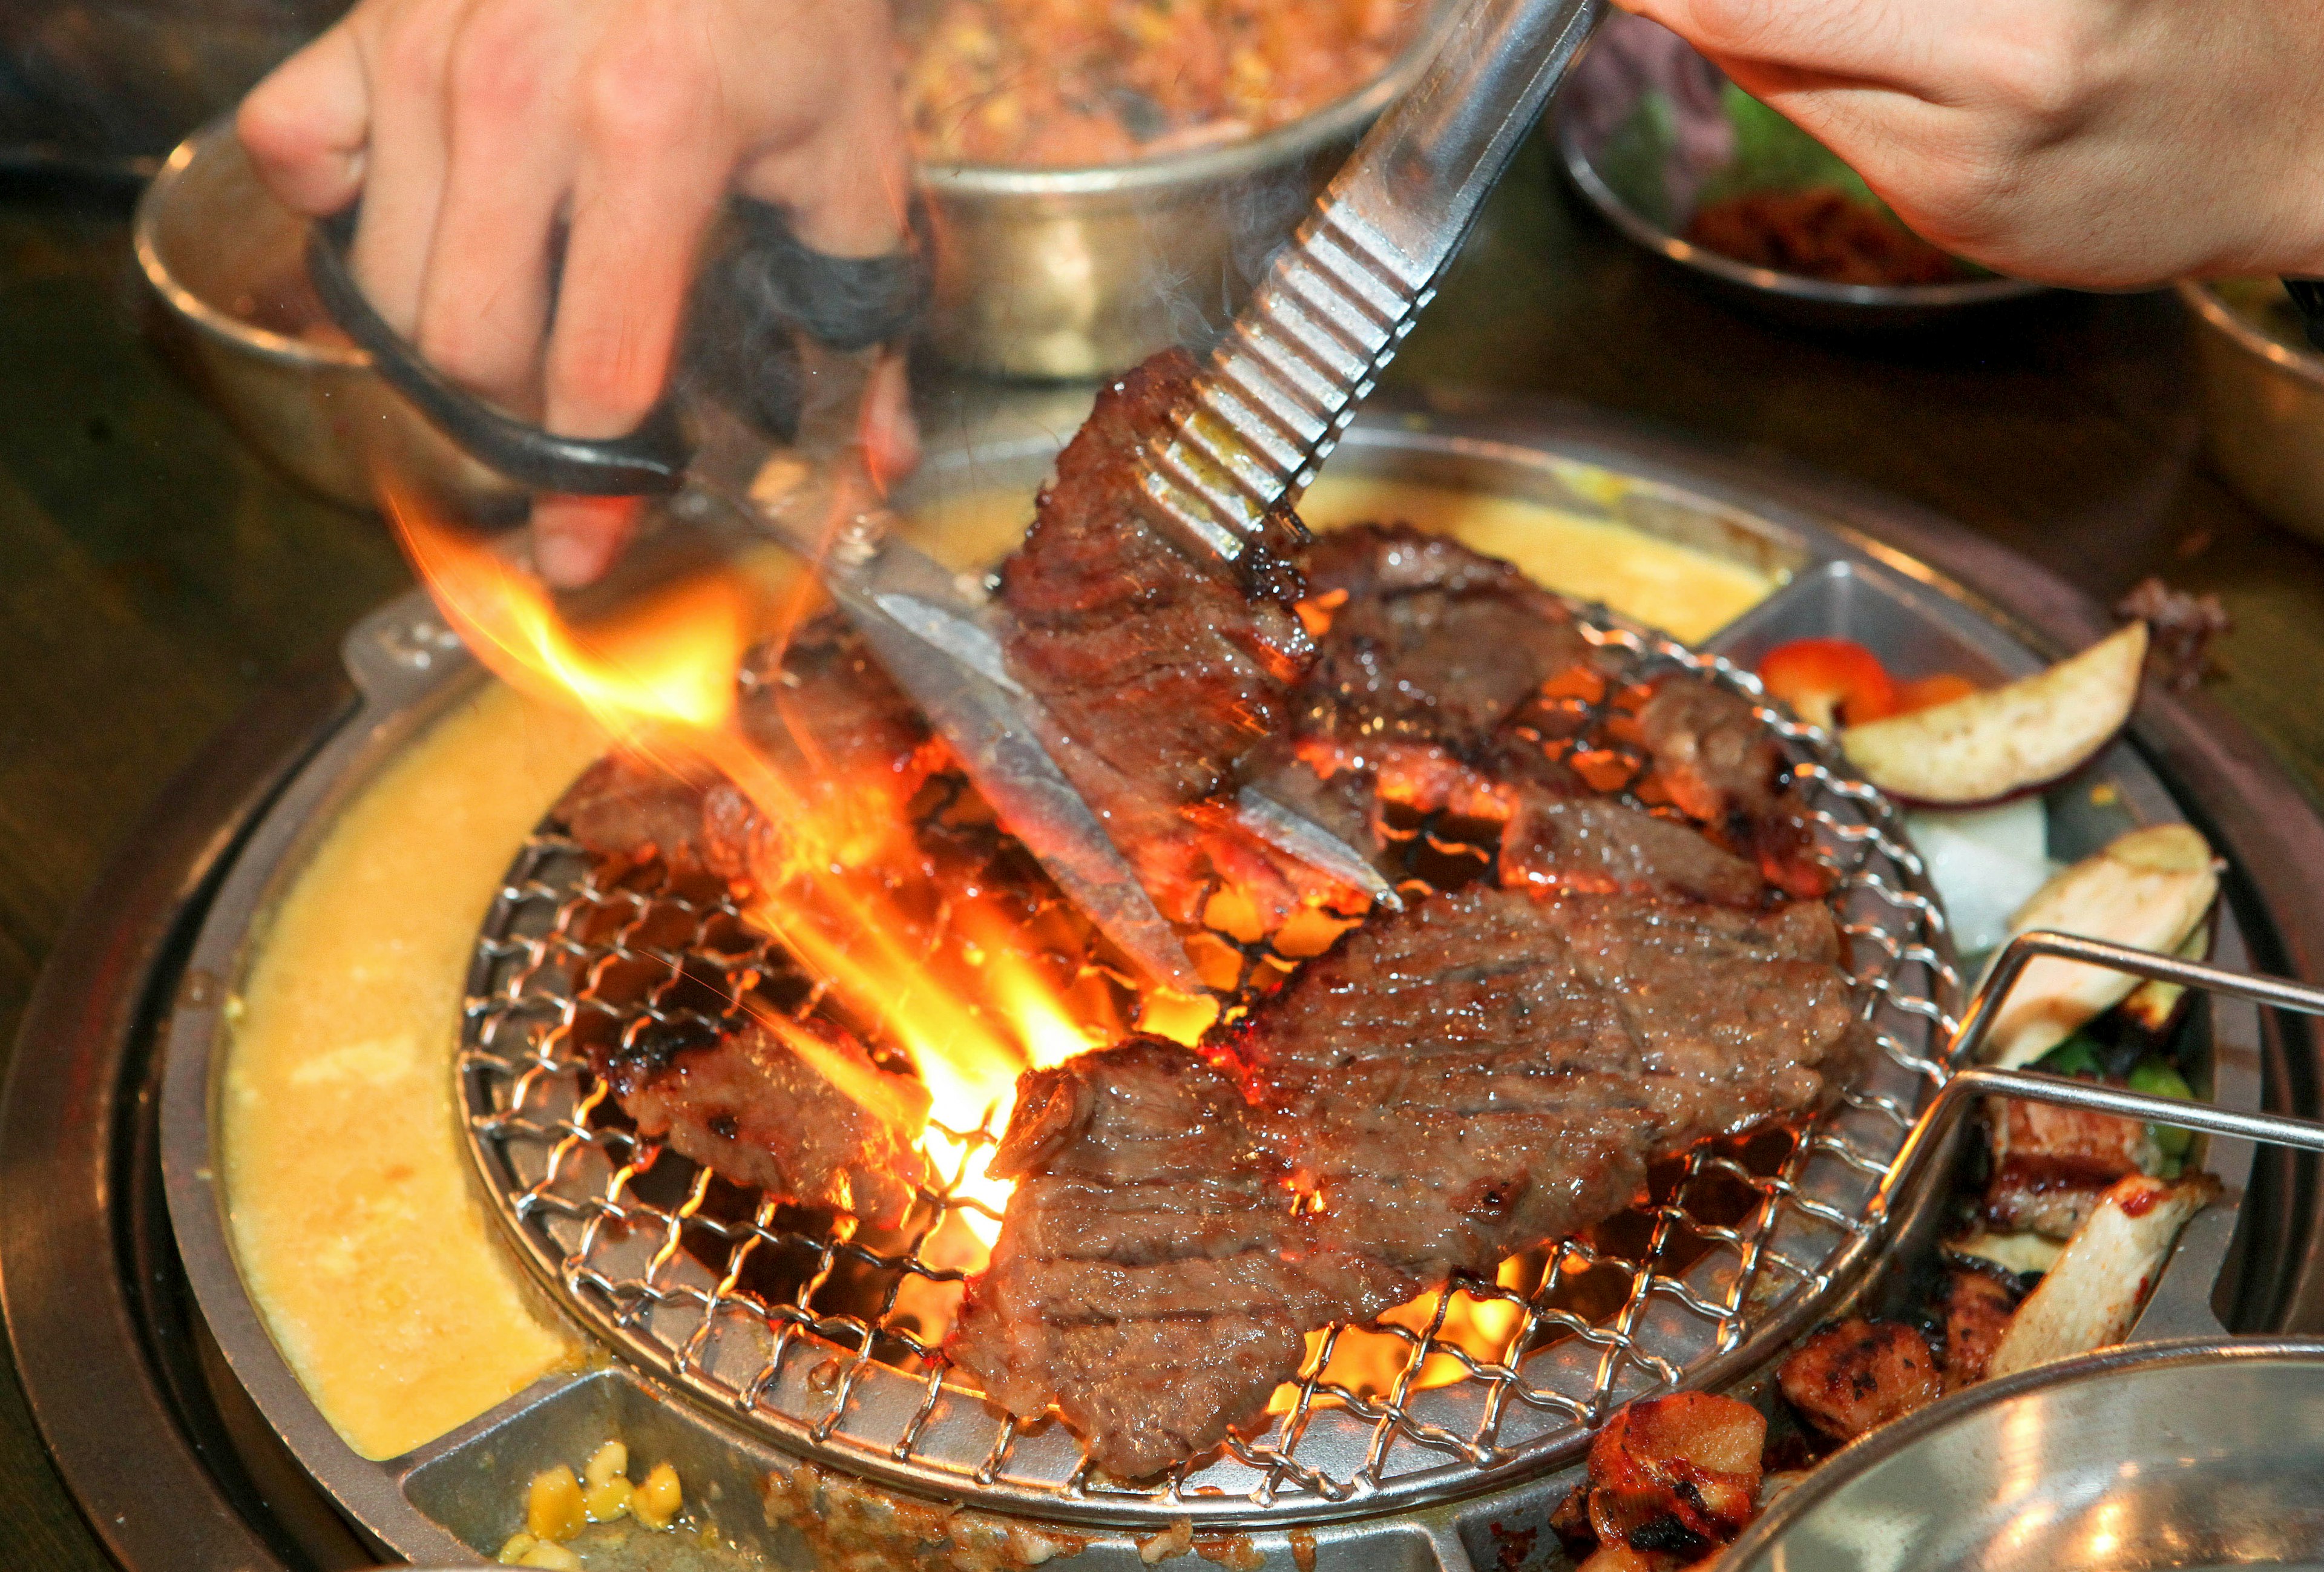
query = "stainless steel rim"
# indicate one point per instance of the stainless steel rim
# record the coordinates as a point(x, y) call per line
point(2205, 302)
point(281, 347)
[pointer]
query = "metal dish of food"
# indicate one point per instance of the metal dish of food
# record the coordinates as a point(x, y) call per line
point(223, 259)
point(2192, 1453)
point(2262, 398)
point(1690, 168)
point(388, 832)
point(1077, 271)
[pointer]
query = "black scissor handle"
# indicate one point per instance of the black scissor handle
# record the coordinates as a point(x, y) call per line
point(649, 461)
point(769, 283)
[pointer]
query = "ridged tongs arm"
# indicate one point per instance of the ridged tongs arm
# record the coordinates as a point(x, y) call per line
point(1340, 297)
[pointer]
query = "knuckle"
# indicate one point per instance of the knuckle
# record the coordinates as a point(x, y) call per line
point(498, 67)
point(410, 61)
point(2045, 79)
point(656, 96)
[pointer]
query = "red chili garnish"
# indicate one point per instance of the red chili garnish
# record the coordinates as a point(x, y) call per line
point(1829, 683)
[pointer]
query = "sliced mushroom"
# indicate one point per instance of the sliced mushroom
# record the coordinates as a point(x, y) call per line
point(2092, 1295)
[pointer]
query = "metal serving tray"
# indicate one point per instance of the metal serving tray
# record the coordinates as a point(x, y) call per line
point(1854, 563)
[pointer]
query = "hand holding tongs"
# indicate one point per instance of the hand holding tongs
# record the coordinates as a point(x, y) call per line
point(1334, 308)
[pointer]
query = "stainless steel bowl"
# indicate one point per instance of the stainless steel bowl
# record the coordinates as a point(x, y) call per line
point(220, 252)
point(2263, 412)
point(2203, 1454)
point(1078, 272)
point(1788, 297)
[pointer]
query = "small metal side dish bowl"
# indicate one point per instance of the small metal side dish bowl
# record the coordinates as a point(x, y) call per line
point(1080, 273)
point(225, 259)
point(2263, 411)
point(2198, 1453)
point(1785, 297)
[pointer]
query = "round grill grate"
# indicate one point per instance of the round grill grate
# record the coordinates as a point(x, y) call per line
point(821, 1333)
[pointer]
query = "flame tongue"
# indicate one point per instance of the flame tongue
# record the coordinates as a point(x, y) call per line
point(903, 939)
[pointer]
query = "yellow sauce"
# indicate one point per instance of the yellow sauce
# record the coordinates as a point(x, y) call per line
point(355, 1220)
point(359, 1232)
point(1686, 593)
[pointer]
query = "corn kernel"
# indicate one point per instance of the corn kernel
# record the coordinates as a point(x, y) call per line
point(554, 1556)
point(605, 1463)
point(658, 1497)
point(512, 1553)
point(605, 1503)
point(552, 1508)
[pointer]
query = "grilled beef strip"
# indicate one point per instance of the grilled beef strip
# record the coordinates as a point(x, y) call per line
point(1419, 687)
point(1159, 665)
point(795, 1109)
point(1446, 1086)
point(1721, 768)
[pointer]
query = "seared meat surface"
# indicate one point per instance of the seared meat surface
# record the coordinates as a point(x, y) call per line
point(1159, 665)
point(1445, 1087)
point(795, 1109)
point(1856, 1375)
point(1590, 843)
point(1721, 768)
point(823, 715)
point(2051, 1165)
point(1977, 1304)
point(1429, 641)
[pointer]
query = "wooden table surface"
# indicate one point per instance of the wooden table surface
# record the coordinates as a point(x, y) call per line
point(155, 578)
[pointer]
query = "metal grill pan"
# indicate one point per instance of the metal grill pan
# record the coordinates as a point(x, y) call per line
point(813, 1331)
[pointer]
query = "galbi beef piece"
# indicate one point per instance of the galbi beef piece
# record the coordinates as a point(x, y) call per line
point(1166, 664)
point(1429, 641)
point(1445, 1087)
point(1554, 842)
point(794, 1109)
point(1717, 763)
point(2051, 1165)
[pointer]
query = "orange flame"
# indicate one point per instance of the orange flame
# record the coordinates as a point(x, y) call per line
point(972, 1012)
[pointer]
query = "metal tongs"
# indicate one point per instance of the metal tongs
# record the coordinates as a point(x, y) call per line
point(1278, 392)
point(1970, 1080)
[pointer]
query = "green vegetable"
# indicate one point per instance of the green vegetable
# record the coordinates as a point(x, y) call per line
point(1772, 155)
point(2077, 1056)
point(2159, 1078)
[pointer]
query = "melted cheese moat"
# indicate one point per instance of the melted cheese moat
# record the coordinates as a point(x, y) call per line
point(355, 1217)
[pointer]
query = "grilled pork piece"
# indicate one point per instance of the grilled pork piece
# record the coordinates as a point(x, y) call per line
point(817, 708)
point(2051, 1165)
point(1448, 1086)
point(795, 1109)
point(1977, 1304)
point(1856, 1375)
point(1159, 666)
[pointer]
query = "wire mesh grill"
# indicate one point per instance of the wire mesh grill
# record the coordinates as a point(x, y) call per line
point(822, 1333)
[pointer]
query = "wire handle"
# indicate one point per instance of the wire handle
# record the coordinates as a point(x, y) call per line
point(1973, 1081)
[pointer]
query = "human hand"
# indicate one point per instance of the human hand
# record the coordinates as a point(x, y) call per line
point(2105, 143)
point(539, 178)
